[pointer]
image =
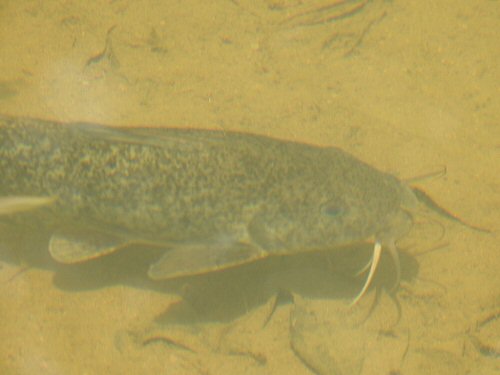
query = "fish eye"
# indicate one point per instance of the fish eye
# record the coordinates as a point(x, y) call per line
point(332, 210)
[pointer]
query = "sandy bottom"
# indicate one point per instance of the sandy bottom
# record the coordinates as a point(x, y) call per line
point(408, 88)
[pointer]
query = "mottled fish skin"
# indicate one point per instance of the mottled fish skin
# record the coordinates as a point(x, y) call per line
point(173, 186)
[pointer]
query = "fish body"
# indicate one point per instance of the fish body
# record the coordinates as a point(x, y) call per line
point(213, 199)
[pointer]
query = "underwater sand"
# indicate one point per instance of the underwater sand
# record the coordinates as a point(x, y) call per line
point(407, 87)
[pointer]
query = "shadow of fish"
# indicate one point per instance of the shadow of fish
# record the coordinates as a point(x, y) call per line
point(212, 199)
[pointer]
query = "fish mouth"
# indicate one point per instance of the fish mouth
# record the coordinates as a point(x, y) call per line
point(396, 225)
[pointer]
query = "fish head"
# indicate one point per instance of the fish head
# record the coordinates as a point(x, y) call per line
point(326, 218)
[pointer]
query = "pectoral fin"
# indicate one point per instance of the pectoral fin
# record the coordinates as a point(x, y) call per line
point(15, 204)
point(188, 260)
point(74, 246)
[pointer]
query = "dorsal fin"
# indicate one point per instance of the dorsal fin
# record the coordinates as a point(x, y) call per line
point(157, 137)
